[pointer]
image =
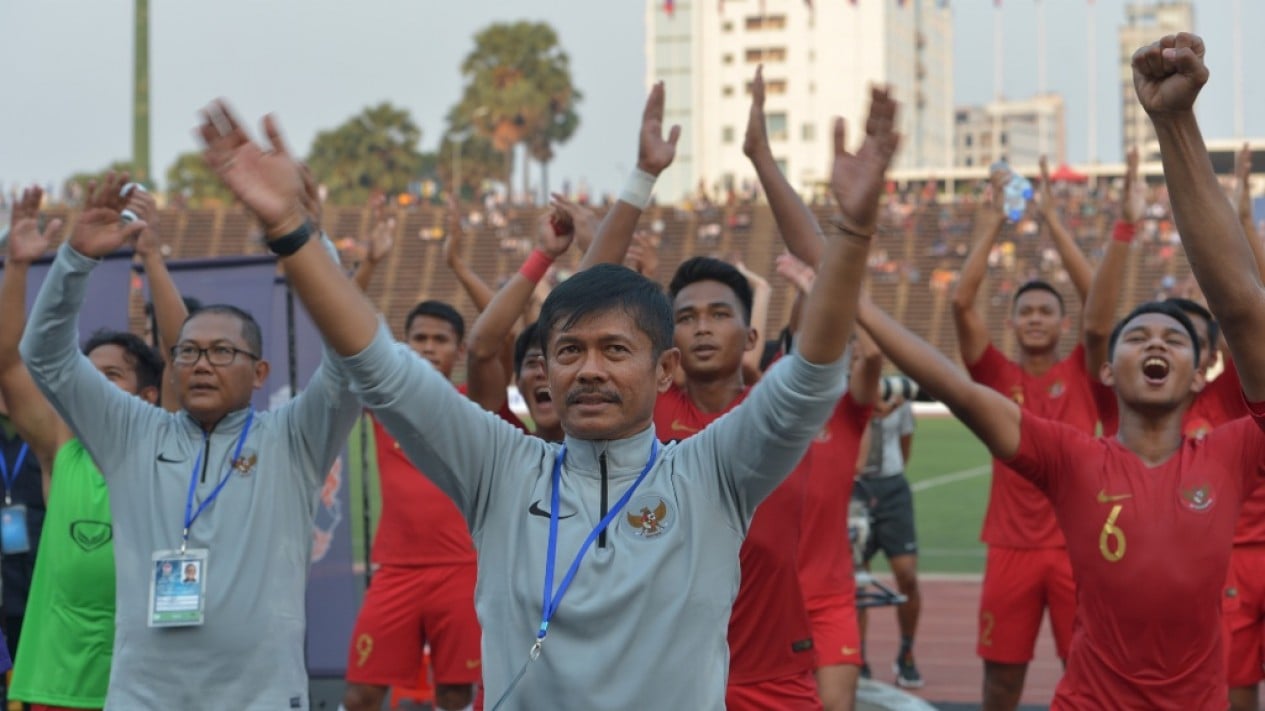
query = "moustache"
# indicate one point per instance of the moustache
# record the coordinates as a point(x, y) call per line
point(575, 396)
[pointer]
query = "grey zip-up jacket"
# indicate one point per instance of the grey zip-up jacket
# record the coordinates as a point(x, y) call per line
point(644, 622)
point(249, 654)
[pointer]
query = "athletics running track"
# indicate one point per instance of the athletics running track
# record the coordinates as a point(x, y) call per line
point(945, 646)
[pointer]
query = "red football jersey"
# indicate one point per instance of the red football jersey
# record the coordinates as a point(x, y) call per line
point(1018, 515)
point(1150, 548)
point(1221, 401)
point(419, 524)
point(825, 556)
point(769, 632)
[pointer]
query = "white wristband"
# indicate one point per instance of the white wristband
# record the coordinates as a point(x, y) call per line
point(638, 188)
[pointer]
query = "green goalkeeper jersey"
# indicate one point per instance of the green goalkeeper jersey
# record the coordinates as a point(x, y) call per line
point(67, 638)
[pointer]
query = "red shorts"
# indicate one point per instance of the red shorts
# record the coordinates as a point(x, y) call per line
point(1245, 621)
point(836, 634)
point(46, 707)
point(1019, 584)
point(797, 692)
point(407, 607)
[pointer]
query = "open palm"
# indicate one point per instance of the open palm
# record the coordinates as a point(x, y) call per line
point(654, 152)
point(856, 179)
point(99, 229)
point(268, 182)
point(26, 242)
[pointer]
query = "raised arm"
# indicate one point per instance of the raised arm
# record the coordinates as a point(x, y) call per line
point(486, 376)
point(867, 369)
point(857, 182)
point(760, 295)
point(1167, 76)
point(377, 245)
point(453, 441)
point(654, 155)
point(270, 183)
point(50, 345)
point(761, 440)
point(971, 330)
point(1243, 204)
point(35, 420)
point(801, 276)
point(1074, 261)
point(1099, 315)
point(478, 290)
point(993, 417)
point(169, 309)
point(799, 228)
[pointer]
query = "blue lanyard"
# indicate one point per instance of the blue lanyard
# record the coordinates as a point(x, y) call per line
point(189, 514)
point(10, 479)
point(550, 606)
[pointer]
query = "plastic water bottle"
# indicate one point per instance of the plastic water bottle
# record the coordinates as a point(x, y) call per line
point(1017, 191)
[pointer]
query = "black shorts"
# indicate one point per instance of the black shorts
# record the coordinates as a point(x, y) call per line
point(891, 506)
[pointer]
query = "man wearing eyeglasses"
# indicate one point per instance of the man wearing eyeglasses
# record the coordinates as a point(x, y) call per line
point(216, 485)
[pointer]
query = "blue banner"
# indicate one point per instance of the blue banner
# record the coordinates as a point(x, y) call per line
point(105, 305)
point(333, 588)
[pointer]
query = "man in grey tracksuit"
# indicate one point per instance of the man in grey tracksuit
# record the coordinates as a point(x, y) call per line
point(643, 620)
point(249, 651)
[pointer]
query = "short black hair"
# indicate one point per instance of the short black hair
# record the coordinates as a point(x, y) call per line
point(526, 339)
point(698, 269)
point(146, 361)
point(603, 288)
point(251, 333)
point(191, 304)
point(1166, 308)
point(1039, 285)
point(440, 310)
point(1195, 308)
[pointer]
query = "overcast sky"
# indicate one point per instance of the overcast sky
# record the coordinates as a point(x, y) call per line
point(67, 86)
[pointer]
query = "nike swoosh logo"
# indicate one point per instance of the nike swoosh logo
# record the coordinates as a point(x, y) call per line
point(677, 426)
point(535, 510)
point(165, 458)
point(1105, 498)
point(473, 663)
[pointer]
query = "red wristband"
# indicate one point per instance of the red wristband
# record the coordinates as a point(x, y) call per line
point(536, 266)
point(1124, 231)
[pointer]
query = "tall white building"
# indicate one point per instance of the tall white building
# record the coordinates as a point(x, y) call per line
point(1145, 23)
point(1019, 131)
point(819, 62)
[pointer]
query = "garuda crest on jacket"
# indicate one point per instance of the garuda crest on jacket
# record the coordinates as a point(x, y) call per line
point(648, 522)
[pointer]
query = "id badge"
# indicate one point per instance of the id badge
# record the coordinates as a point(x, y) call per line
point(14, 537)
point(177, 588)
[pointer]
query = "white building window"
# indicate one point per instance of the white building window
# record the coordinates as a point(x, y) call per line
point(777, 126)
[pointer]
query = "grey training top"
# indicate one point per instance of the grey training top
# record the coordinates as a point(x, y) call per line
point(646, 616)
point(249, 654)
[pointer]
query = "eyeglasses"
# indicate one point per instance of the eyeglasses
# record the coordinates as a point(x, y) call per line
point(189, 354)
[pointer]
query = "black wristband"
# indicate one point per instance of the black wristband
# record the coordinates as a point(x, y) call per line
point(288, 244)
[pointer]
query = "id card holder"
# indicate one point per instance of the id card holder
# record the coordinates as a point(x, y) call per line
point(177, 588)
point(14, 536)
